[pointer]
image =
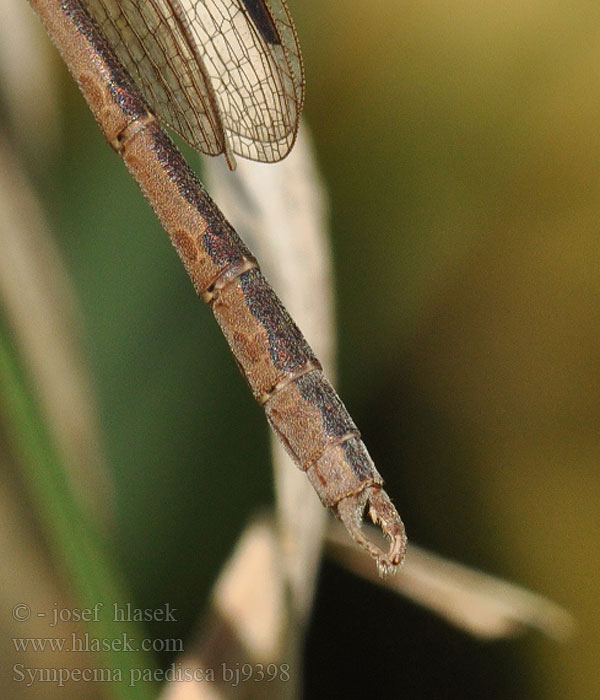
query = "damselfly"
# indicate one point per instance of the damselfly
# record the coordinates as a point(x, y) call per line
point(227, 75)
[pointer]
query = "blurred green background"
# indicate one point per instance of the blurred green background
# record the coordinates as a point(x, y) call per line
point(459, 144)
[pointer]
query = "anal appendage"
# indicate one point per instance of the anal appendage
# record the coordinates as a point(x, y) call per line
point(374, 499)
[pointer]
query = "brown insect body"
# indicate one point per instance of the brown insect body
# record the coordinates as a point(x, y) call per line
point(277, 362)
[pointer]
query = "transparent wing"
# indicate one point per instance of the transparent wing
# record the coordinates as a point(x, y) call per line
point(224, 74)
point(251, 56)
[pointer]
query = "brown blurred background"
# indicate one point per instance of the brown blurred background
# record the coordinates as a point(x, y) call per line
point(459, 143)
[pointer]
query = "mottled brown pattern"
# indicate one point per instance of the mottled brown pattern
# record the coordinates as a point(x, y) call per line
point(292, 406)
point(286, 344)
point(95, 94)
point(186, 247)
point(335, 478)
point(274, 357)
